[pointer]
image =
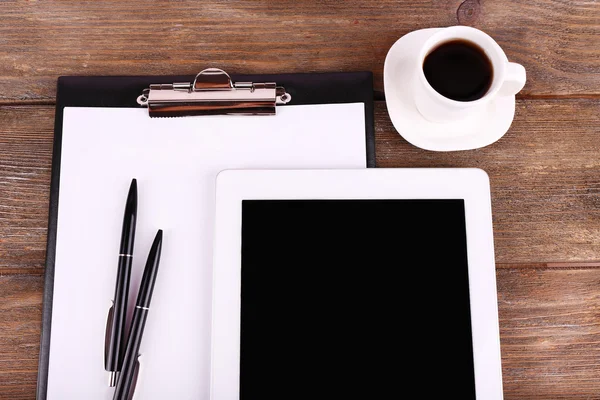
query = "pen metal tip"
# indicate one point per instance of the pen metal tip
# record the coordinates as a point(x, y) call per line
point(112, 378)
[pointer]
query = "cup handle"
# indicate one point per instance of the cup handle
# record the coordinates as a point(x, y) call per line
point(514, 80)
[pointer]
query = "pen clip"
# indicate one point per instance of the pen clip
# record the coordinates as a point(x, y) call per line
point(136, 373)
point(109, 323)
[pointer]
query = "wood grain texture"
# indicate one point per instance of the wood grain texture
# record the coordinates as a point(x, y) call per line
point(545, 178)
point(20, 323)
point(549, 333)
point(558, 41)
point(26, 135)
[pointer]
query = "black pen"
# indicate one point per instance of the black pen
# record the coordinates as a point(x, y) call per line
point(114, 345)
point(125, 386)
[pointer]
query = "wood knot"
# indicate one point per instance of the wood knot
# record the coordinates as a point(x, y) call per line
point(468, 12)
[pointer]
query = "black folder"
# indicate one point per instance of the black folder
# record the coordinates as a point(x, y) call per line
point(123, 91)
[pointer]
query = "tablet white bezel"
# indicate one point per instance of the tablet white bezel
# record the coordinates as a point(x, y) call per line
point(472, 185)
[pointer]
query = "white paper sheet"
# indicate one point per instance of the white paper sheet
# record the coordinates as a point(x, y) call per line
point(175, 162)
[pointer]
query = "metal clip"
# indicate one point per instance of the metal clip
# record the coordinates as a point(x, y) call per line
point(212, 93)
point(112, 375)
point(136, 378)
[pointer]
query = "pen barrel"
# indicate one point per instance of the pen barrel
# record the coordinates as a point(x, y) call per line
point(128, 370)
point(116, 348)
point(150, 273)
point(129, 221)
point(140, 313)
point(128, 235)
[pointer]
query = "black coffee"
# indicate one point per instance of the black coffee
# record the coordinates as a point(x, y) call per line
point(459, 70)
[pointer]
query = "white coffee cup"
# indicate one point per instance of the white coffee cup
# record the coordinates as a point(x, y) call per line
point(508, 78)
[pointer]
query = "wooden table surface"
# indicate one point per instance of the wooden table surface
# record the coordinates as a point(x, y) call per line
point(545, 172)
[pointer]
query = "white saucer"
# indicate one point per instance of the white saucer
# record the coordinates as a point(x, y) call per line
point(477, 130)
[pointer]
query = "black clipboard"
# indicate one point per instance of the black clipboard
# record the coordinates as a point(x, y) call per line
point(123, 91)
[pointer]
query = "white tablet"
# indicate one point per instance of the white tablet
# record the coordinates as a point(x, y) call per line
point(371, 283)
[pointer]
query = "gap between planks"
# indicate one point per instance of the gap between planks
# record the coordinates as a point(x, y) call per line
point(378, 95)
point(516, 266)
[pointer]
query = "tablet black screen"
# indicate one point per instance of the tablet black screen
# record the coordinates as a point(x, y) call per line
point(355, 299)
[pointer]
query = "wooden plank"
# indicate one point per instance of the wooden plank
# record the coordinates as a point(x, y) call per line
point(545, 176)
point(551, 265)
point(25, 162)
point(20, 323)
point(557, 41)
point(549, 326)
point(549, 333)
